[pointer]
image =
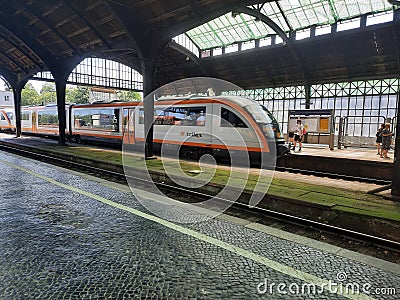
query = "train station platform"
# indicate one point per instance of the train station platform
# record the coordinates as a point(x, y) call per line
point(351, 161)
point(67, 235)
point(337, 202)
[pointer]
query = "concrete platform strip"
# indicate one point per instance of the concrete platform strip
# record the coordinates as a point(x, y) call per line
point(213, 241)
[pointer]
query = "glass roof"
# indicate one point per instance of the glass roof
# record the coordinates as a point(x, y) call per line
point(288, 14)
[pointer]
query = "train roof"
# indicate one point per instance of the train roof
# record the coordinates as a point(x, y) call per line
point(191, 98)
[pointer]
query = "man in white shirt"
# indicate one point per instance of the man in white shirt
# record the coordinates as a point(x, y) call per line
point(298, 135)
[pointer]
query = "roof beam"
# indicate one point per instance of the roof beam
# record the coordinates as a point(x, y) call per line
point(284, 16)
point(33, 58)
point(12, 25)
point(14, 60)
point(41, 16)
point(174, 45)
point(9, 76)
point(59, 69)
point(68, 4)
point(135, 37)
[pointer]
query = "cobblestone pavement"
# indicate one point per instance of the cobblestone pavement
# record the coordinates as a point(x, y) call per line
point(64, 236)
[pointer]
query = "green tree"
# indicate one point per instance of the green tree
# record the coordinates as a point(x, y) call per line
point(127, 96)
point(48, 93)
point(29, 96)
point(79, 94)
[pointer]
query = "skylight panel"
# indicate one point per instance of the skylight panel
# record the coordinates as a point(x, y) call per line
point(217, 51)
point(302, 34)
point(347, 25)
point(300, 14)
point(320, 30)
point(380, 18)
point(231, 48)
point(266, 42)
point(248, 45)
point(350, 8)
point(272, 11)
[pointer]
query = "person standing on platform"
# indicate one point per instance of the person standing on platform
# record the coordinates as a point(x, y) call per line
point(386, 140)
point(298, 135)
point(379, 139)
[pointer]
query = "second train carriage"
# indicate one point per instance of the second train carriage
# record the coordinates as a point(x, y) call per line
point(198, 121)
point(7, 121)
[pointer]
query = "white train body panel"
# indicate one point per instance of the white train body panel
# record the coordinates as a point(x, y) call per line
point(217, 123)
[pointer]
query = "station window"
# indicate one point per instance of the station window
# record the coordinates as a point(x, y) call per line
point(229, 119)
point(182, 116)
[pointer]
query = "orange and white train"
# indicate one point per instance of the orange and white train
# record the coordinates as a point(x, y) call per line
point(196, 125)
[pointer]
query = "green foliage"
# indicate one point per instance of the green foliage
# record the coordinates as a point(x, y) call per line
point(48, 93)
point(127, 96)
point(79, 94)
point(29, 96)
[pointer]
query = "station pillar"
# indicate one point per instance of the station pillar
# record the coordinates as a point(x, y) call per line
point(148, 67)
point(307, 88)
point(396, 165)
point(17, 91)
point(60, 90)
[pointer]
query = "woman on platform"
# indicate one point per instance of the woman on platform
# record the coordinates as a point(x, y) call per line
point(386, 140)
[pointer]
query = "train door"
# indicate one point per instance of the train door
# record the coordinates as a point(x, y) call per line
point(34, 122)
point(129, 126)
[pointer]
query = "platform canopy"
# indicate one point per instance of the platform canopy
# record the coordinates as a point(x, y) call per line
point(289, 15)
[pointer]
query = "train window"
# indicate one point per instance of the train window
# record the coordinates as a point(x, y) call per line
point(48, 118)
point(228, 117)
point(125, 119)
point(10, 115)
point(260, 113)
point(25, 116)
point(97, 119)
point(3, 118)
point(83, 119)
point(182, 116)
point(187, 116)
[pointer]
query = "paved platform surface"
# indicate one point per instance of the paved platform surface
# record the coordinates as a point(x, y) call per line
point(70, 236)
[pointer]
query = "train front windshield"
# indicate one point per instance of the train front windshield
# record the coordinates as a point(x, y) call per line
point(266, 120)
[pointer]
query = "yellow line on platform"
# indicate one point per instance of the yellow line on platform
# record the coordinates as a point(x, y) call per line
point(318, 282)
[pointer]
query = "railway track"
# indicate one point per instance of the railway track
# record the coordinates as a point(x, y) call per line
point(342, 237)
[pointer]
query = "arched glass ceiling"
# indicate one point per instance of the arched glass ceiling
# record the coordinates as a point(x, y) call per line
point(288, 14)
